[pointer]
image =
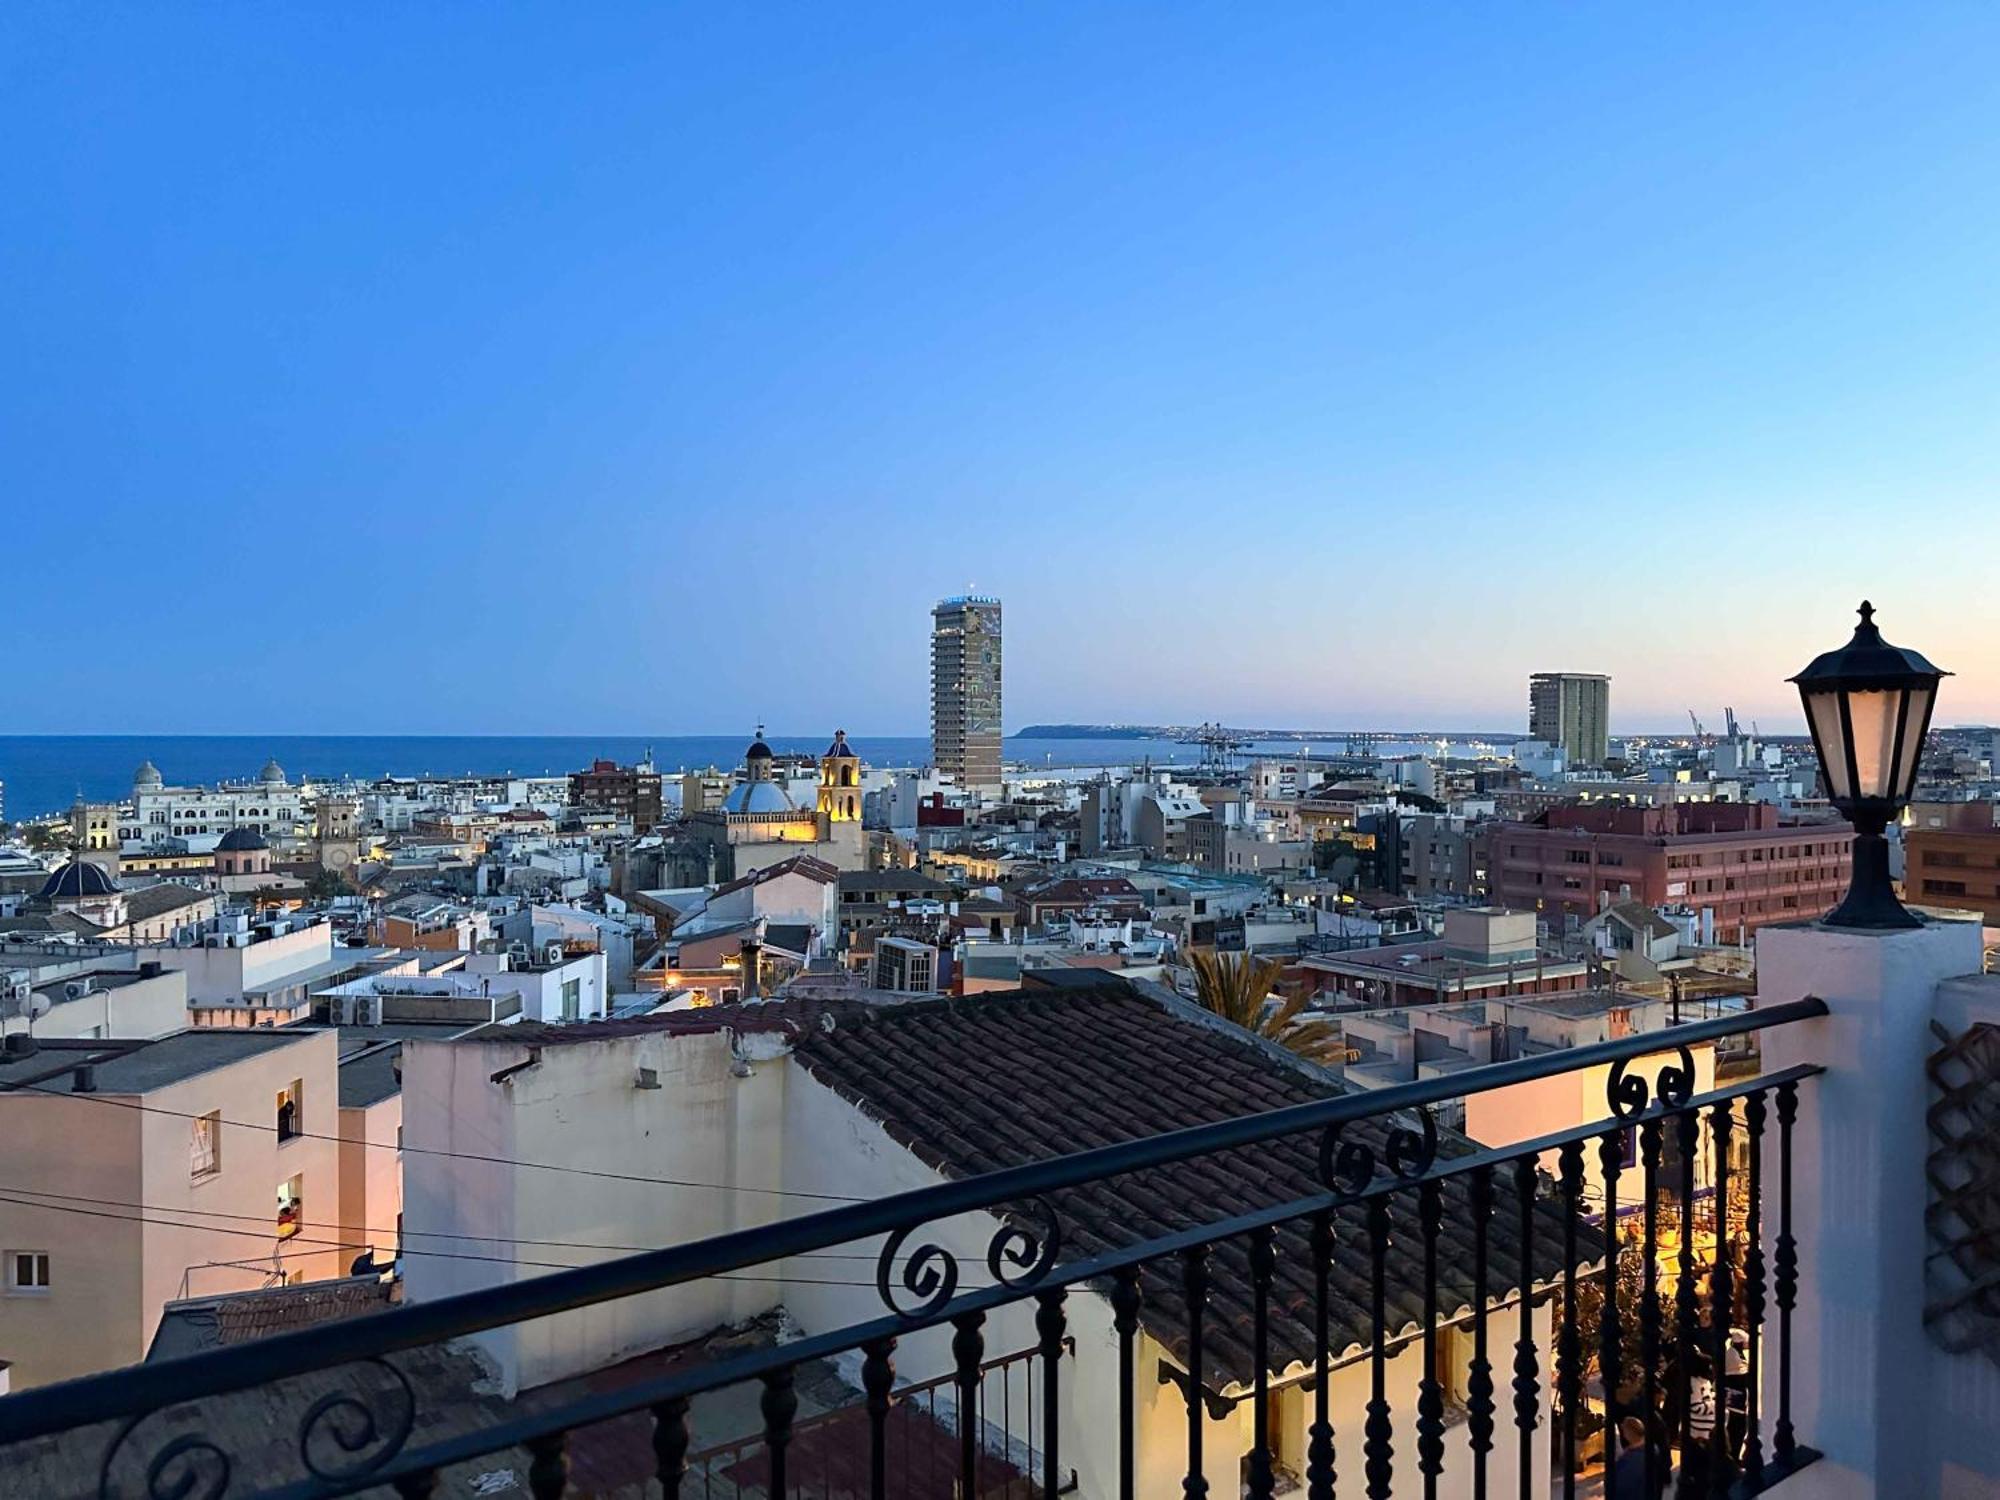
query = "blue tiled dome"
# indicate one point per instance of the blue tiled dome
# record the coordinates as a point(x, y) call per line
point(76, 881)
point(241, 840)
point(758, 797)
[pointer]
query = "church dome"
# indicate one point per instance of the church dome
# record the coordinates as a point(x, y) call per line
point(147, 777)
point(273, 774)
point(241, 841)
point(758, 797)
point(839, 746)
point(758, 749)
point(77, 881)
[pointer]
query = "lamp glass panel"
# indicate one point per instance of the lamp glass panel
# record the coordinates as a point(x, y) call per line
point(1824, 710)
point(1913, 739)
point(1873, 716)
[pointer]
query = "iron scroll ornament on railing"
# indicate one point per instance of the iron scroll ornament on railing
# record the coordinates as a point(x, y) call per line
point(1626, 1094)
point(344, 1434)
point(1016, 1256)
point(1351, 1166)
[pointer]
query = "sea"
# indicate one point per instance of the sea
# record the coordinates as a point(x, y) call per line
point(42, 774)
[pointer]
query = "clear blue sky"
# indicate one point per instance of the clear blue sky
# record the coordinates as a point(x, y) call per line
point(651, 369)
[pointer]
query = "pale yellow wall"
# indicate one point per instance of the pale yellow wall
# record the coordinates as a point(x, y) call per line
point(253, 1164)
point(371, 1177)
point(1543, 1106)
point(90, 1319)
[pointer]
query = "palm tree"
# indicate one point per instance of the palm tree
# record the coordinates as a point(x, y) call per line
point(1239, 989)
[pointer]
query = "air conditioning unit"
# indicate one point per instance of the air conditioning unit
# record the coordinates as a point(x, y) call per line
point(518, 950)
point(552, 953)
point(76, 989)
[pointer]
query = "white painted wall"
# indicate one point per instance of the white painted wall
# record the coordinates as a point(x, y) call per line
point(1870, 1391)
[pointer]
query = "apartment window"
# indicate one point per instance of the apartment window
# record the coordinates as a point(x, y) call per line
point(291, 1110)
point(291, 1206)
point(572, 998)
point(1944, 887)
point(27, 1271)
point(205, 1149)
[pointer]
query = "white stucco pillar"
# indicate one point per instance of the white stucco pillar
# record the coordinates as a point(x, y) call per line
point(1858, 1197)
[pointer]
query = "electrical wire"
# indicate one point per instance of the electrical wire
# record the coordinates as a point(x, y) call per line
point(504, 1260)
point(503, 1161)
point(403, 1230)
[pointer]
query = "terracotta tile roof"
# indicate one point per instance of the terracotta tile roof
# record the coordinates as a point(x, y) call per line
point(974, 1085)
point(798, 864)
point(237, 1317)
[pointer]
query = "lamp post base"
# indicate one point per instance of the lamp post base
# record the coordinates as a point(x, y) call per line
point(1871, 902)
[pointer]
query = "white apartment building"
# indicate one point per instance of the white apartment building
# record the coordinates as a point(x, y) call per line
point(270, 804)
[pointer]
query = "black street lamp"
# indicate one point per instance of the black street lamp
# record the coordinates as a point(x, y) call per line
point(1869, 708)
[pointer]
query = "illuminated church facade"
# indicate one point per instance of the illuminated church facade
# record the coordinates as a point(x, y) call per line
point(758, 823)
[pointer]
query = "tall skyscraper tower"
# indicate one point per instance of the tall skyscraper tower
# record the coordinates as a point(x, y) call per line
point(965, 690)
point(1572, 710)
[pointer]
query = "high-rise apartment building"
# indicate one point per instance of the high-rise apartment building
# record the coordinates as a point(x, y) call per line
point(1572, 710)
point(965, 690)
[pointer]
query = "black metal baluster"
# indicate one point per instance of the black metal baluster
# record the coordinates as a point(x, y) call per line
point(1479, 1379)
point(1784, 1443)
point(1194, 1269)
point(1721, 1303)
point(1050, 1325)
point(878, 1379)
point(1569, 1342)
point(1125, 1303)
point(1430, 1395)
point(1687, 1127)
point(1319, 1449)
point(548, 1466)
point(1610, 1158)
point(1379, 1453)
point(1649, 1306)
point(780, 1404)
point(1263, 1265)
point(1753, 1290)
point(1527, 1391)
point(968, 1347)
point(670, 1445)
point(1007, 1409)
point(1028, 1400)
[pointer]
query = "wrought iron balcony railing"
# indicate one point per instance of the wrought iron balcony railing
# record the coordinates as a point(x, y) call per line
point(1677, 1295)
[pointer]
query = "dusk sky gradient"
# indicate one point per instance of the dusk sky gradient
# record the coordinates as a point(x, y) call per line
point(595, 369)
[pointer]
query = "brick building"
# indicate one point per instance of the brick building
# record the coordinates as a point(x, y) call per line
point(1732, 859)
point(631, 792)
point(1952, 858)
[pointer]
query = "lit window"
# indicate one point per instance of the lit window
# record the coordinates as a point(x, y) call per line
point(291, 1206)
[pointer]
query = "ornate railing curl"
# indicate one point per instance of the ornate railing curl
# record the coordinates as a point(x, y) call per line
point(1626, 1094)
point(1352, 1167)
point(1017, 1256)
point(356, 1418)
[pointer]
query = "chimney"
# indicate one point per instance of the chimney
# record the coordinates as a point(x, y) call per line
point(84, 1080)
